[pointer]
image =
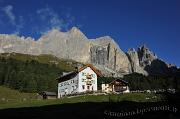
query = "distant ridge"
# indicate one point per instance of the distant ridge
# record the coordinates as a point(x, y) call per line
point(103, 52)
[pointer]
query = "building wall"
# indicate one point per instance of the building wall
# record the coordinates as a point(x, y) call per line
point(83, 81)
point(79, 83)
point(68, 87)
point(127, 91)
point(51, 97)
point(107, 88)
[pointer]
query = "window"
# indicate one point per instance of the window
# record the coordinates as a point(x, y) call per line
point(72, 89)
point(83, 87)
point(92, 88)
point(88, 87)
point(124, 87)
point(75, 81)
point(93, 75)
point(62, 90)
point(83, 80)
point(66, 91)
point(75, 87)
point(61, 84)
point(83, 74)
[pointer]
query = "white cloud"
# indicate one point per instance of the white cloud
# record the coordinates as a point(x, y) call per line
point(54, 20)
point(43, 20)
point(51, 17)
point(8, 11)
point(19, 26)
point(16, 21)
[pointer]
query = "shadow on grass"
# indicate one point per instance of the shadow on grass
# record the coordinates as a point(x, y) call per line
point(95, 110)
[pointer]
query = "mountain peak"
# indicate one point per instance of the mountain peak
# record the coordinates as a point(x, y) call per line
point(76, 32)
point(53, 31)
point(75, 28)
point(144, 46)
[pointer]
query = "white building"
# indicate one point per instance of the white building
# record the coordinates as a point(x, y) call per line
point(115, 86)
point(83, 80)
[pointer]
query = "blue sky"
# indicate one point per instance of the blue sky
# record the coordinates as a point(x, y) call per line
point(131, 23)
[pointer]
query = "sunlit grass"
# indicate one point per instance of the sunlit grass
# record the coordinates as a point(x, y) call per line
point(136, 97)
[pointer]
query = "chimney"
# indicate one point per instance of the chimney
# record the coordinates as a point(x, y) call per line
point(78, 66)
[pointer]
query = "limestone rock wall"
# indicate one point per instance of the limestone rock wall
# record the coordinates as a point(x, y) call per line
point(103, 52)
point(141, 59)
point(134, 60)
point(145, 56)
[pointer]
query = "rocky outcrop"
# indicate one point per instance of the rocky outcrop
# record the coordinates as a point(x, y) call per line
point(99, 54)
point(13, 43)
point(145, 56)
point(67, 45)
point(141, 59)
point(114, 57)
point(103, 51)
point(135, 62)
point(159, 67)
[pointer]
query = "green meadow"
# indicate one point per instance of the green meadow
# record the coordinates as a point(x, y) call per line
point(14, 99)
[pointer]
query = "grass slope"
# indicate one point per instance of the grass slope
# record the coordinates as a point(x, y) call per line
point(8, 95)
point(30, 73)
point(63, 64)
point(14, 99)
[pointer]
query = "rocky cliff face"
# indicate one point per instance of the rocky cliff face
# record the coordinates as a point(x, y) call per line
point(145, 56)
point(68, 45)
point(109, 54)
point(141, 59)
point(13, 43)
point(135, 62)
point(102, 52)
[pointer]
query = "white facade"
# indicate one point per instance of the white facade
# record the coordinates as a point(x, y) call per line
point(117, 86)
point(127, 91)
point(110, 88)
point(68, 87)
point(105, 88)
point(85, 80)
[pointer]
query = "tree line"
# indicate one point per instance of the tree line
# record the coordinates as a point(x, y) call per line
point(152, 82)
point(28, 76)
point(32, 76)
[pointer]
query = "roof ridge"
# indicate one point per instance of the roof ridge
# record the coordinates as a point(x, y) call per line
point(98, 72)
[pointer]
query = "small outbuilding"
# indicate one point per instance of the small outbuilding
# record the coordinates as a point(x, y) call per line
point(48, 95)
point(116, 86)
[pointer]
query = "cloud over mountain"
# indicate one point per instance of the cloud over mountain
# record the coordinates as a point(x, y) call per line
point(8, 10)
point(16, 21)
point(45, 17)
point(54, 20)
point(103, 52)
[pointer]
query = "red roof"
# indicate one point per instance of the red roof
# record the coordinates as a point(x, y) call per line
point(74, 73)
point(98, 72)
